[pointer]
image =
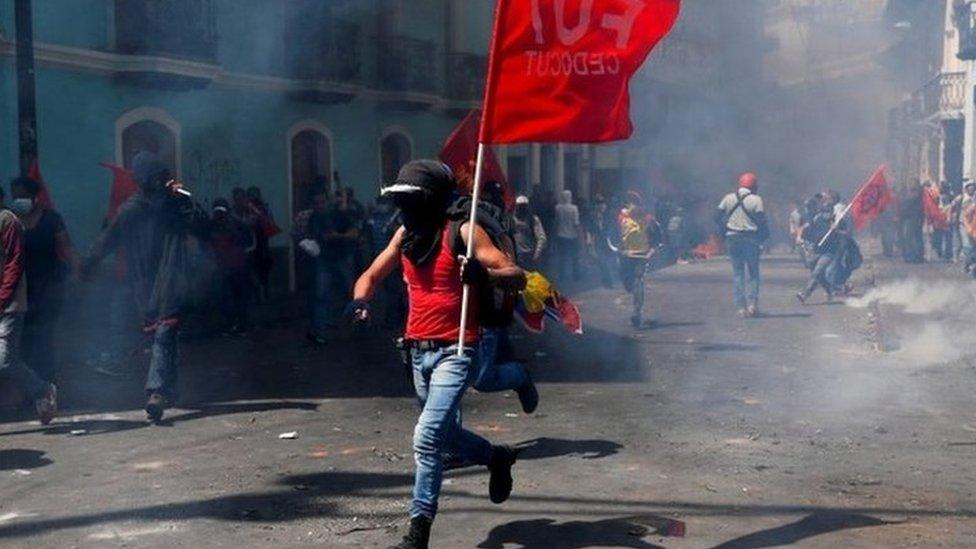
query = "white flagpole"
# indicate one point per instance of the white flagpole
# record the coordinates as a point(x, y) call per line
point(836, 223)
point(843, 214)
point(472, 220)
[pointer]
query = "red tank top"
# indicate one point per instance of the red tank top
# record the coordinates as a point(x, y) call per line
point(434, 291)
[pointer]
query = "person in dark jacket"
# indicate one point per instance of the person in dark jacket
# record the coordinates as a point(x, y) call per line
point(230, 239)
point(912, 218)
point(825, 250)
point(49, 258)
point(262, 260)
point(153, 226)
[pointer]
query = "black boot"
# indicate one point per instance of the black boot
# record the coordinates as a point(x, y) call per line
point(155, 407)
point(500, 467)
point(528, 395)
point(419, 535)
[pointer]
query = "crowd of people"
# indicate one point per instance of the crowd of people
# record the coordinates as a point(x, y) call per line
point(400, 262)
point(930, 222)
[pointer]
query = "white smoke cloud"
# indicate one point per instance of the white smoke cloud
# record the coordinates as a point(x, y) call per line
point(946, 309)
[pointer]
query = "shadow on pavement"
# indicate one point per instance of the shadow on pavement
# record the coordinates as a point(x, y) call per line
point(99, 426)
point(577, 534)
point(727, 347)
point(542, 448)
point(784, 315)
point(665, 325)
point(807, 527)
point(18, 458)
point(323, 494)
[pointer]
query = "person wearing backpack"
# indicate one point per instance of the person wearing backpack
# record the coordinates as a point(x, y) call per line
point(741, 218)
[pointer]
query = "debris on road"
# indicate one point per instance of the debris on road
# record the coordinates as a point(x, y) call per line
point(290, 435)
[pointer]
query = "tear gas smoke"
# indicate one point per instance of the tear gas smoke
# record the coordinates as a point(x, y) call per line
point(945, 308)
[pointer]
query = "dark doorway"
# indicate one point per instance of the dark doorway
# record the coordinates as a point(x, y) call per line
point(395, 151)
point(151, 136)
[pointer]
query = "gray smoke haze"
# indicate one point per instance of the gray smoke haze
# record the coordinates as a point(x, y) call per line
point(941, 316)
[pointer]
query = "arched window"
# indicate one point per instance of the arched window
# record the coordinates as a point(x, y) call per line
point(148, 129)
point(395, 151)
point(311, 163)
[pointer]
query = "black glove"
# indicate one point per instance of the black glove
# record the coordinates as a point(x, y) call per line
point(473, 273)
point(358, 311)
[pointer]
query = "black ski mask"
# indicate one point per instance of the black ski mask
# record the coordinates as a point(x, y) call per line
point(149, 171)
point(422, 191)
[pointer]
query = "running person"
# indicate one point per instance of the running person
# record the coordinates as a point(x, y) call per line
point(434, 277)
point(640, 236)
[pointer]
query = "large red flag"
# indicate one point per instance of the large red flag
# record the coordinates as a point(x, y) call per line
point(123, 186)
point(43, 196)
point(872, 199)
point(933, 213)
point(559, 71)
point(460, 151)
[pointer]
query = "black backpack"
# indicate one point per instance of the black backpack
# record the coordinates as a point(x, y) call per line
point(495, 308)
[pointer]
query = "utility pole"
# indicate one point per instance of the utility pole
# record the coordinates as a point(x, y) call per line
point(26, 105)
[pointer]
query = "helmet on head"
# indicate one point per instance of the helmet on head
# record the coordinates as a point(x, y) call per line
point(748, 180)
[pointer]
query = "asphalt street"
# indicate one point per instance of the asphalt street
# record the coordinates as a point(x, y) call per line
point(825, 425)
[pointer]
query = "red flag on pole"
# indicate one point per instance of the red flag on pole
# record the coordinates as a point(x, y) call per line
point(560, 71)
point(460, 151)
point(123, 186)
point(933, 213)
point(43, 196)
point(872, 199)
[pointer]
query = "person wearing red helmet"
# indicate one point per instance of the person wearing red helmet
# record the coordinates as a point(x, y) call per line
point(741, 218)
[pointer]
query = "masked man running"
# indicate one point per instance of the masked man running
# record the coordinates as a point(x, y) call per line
point(434, 276)
point(153, 228)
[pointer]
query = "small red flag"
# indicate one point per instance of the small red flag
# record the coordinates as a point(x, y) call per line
point(933, 213)
point(560, 71)
point(872, 199)
point(43, 196)
point(460, 151)
point(123, 186)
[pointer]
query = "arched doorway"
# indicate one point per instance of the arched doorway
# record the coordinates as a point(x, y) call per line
point(311, 165)
point(395, 151)
point(148, 129)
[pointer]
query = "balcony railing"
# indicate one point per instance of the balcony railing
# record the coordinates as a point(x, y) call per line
point(406, 64)
point(466, 76)
point(331, 52)
point(942, 97)
point(183, 29)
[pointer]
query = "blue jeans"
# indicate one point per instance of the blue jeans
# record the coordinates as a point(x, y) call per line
point(820, 275)
point(744, 253)
point(163, 361)
point(494, 376)
point(440, 378)
point(331, 284)
point(11, 366)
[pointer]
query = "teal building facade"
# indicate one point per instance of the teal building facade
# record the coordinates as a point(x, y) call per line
point(276, 94)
